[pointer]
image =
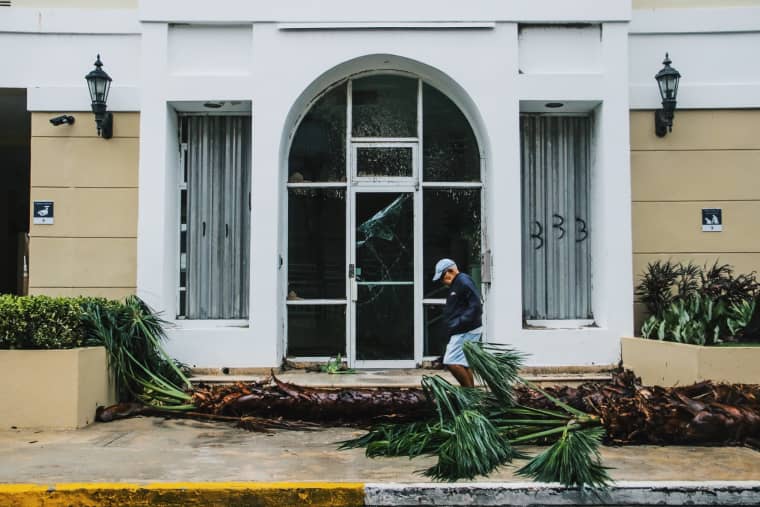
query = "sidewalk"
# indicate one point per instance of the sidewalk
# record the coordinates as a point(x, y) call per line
point(152, 461)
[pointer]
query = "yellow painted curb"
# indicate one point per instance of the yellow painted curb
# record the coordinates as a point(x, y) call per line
point(264, 494)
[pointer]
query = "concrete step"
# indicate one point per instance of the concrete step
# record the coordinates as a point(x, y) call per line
point(388, 378)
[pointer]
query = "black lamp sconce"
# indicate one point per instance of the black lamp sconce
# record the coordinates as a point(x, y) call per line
point(667, 81)
point(99, 84)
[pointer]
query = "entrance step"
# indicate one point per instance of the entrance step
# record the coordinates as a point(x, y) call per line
point(391, 378)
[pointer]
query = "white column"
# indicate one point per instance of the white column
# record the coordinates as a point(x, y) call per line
point(613, 293)
point(501, 113)
point(152, 276)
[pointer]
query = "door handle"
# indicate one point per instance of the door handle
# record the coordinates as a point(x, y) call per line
point(352, 281)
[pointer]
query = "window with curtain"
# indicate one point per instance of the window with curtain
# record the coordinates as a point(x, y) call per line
point(556, 228)
point(215, 217)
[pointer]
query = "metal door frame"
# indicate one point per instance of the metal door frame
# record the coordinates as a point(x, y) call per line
point(384, 185)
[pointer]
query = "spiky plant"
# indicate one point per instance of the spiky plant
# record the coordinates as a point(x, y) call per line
point(132, 334)
point(478, 430)
point(655, 289)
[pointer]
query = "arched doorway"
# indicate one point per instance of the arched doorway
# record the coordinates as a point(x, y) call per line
point(384, 178)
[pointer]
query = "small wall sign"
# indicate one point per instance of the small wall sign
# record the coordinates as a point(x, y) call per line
point(712, 219)
point(43, 212)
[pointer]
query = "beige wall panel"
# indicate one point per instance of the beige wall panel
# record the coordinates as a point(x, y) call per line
point(84, 162)
point(662, 227)
point(695, 175)
point(698, 130)
point(103, 292)
point(124, 125)
point(82, 262)
point(89, 212)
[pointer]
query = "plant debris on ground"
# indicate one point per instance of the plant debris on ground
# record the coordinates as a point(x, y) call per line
point(471, 431)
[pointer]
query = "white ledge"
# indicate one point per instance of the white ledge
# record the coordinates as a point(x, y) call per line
point(82, 21)
point(661, 21)
point(375, 26)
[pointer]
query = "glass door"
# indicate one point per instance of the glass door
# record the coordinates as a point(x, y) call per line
point(382, 277)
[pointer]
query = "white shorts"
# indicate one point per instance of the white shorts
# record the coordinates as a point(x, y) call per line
point(454, 353)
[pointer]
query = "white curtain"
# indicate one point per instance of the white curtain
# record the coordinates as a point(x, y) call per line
point(556, 228)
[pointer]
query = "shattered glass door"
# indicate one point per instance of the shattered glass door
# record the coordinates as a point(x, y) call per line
point(384, 276)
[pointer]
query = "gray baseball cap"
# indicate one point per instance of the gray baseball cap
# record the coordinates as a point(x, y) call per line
point(441, 266)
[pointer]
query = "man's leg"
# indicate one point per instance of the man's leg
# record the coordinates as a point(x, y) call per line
point(462, 374)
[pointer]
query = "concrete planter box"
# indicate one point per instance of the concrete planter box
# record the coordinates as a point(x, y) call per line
point(669, 363)
point(53, 388)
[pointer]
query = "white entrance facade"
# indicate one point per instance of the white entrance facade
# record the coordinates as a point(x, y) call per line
point(384, 178)
point(273, 65)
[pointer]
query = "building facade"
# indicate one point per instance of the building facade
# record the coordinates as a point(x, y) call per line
point(281, 178)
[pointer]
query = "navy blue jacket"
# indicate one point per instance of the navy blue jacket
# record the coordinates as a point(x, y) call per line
point(463, 309)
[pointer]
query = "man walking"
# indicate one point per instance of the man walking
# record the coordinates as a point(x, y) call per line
point(462, 316)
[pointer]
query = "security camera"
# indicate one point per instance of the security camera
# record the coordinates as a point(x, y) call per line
point(62, 120)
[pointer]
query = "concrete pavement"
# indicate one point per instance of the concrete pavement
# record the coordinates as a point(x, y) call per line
point(153, 461)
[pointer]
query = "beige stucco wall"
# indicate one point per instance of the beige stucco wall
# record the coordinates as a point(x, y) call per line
point(91, 248)
point(711, 159)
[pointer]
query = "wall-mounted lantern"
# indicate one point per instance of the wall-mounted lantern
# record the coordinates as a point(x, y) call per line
point(99, 84)
point(667, 81)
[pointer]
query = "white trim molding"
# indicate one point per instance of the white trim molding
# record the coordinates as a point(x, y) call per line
point(699, 96)
point(77, 98)
point(671, 21)
point(390, 11)
point(81, 21)
point(375, 26)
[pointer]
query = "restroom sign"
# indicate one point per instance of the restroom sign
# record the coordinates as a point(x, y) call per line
point(43, 212)
point(712, 219)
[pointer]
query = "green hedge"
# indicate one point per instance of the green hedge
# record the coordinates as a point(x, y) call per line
point(43, 322)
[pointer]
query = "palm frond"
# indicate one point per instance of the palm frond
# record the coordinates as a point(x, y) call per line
point(573, 461)
point(497, 366)
point(450, 400)
point(406, 439)
point(474, 447)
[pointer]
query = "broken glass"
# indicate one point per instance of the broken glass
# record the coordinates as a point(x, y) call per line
point(318, 152)
point(316, 243)
point(384, 106)
point(385, 322)
point(384, 276)
point(384, 237)
point(436, 334)
point(450, 151)
point(316, 330)
point(384, 162)
point(451, 228)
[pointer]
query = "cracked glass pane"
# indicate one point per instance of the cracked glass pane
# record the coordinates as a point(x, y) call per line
point(384, 276)
point(318, 152)
point(385, 322)
point(450, 151)
point(451, 225)
point(384, 162)
point(316, 243)
point(384, 237)
point(315, 331)
point(436, 335)
point(384, 106)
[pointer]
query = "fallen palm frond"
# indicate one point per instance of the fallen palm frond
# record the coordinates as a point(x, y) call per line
point(476, 431)
point(471, 431)
point(573, 459)
point(132, 335)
